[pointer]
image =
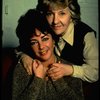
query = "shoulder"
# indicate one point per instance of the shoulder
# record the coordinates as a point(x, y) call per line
point(19, 70)
point(83, 27)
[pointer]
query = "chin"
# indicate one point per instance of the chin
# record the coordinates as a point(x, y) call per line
point(44, 59)
point(58, 32)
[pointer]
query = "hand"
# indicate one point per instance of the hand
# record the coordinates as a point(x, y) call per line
point(38, 69)
point(27, 63)
point(59, 70)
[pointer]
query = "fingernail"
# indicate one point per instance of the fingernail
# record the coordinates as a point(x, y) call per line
point(59, 61)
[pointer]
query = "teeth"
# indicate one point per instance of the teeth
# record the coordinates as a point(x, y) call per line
point(43, 51)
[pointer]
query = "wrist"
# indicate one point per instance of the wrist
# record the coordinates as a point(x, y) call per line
point(72, 70)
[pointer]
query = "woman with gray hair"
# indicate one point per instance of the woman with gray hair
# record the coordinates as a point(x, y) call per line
point(37, 38)
point(77, 41)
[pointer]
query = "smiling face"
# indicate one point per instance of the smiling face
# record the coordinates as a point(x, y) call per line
point(59, 19)
point(42, 45)
point(60, 13)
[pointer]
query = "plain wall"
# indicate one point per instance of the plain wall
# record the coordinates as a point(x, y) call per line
point(13, 9)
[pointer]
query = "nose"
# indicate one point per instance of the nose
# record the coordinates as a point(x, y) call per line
point(41, 45)
point(55, 19)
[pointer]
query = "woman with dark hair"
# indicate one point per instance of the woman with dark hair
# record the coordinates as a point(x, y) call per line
point(38, 39)
point(77, 42)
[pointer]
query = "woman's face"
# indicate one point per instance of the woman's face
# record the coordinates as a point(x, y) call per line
point(59, 19)
point(42, 45)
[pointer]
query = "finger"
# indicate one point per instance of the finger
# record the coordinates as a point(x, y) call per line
point(54, 70)
point(37, 62)
point(50, 73)
point(52, 67)
point(54, 78)
point(34, 65)
point(54, 74)
point(59, 61)
point(27, 63)
point(30, 68)
point(56, 64)
point(27, 70)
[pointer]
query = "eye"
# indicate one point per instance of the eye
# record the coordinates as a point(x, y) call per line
point(48, 14)
point(34, 43)
point(62, 13)
point(45, 39)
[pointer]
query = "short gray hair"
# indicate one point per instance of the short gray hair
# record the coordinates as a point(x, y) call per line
point(73, 6)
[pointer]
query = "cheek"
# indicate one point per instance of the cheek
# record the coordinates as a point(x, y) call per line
point(67, 20)
point(51, 45)
point(34, 49)
point(49, 19)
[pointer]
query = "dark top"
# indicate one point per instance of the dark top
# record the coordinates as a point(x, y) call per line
point(30, 87)
point(74, 54)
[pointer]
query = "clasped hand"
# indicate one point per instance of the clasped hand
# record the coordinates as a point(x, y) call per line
point(54, 71)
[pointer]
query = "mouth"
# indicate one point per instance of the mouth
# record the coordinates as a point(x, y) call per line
point(57, 27)
point(43, 52)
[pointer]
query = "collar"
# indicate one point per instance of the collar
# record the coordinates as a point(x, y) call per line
point(69, 34)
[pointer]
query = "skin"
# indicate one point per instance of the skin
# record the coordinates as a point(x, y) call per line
point(59, 20)
point(42, 46)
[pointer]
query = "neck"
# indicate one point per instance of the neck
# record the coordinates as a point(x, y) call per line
point(47, 63)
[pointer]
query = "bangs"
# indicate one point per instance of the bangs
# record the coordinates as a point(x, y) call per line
point(57, 5)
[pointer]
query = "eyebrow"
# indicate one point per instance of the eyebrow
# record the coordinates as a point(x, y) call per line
point(44, 35)
point(41, 37)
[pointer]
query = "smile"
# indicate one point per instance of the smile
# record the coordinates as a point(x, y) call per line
point(57, 27)
point(43, 52)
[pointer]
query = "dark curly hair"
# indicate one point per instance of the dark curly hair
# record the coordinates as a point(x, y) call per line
point(26, 27)
point(28, 22)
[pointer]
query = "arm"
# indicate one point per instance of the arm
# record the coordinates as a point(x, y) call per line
point(69, 88)
point(91, 59)
point(25, 59)
point(25, 87)
point(83, 72)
